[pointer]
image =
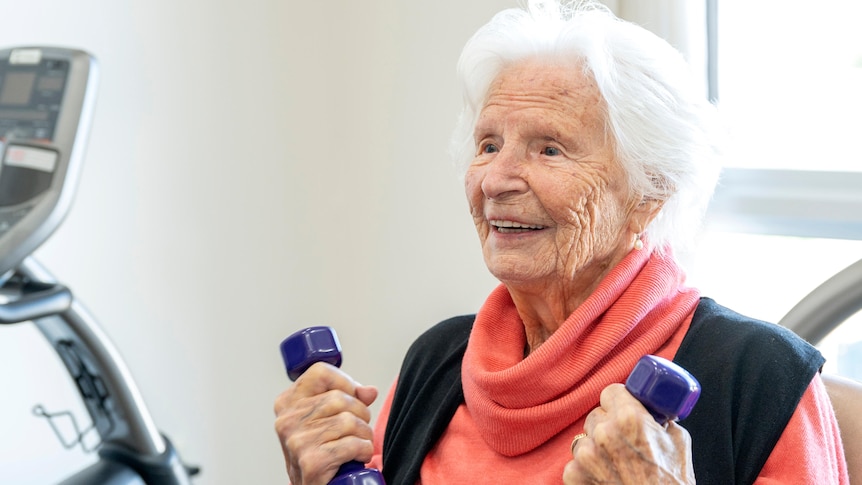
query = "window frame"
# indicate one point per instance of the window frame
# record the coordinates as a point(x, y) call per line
point(789, 202)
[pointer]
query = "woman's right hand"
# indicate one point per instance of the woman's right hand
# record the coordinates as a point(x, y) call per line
point(322, 421)
point(625, 445)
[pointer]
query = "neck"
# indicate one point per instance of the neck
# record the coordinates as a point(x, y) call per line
point(544, 305)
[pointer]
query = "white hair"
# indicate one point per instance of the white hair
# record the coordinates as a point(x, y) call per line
point(664, 131)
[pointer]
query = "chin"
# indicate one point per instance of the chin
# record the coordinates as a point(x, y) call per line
point(513, 275)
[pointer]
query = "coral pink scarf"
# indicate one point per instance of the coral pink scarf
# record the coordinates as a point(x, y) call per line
point(519, 403)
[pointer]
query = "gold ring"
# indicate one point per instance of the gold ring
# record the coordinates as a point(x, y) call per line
point(575, 441)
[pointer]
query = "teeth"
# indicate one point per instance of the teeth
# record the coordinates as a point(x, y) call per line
point(511, 226)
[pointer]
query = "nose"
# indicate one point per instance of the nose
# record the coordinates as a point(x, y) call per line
point(504, 176)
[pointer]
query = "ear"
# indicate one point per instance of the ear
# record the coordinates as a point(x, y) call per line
point(643, 213)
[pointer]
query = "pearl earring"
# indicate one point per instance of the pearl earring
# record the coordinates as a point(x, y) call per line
point(638, 243)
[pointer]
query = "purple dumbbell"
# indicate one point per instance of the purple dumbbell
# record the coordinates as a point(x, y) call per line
point(320, 344)
point(667, 390)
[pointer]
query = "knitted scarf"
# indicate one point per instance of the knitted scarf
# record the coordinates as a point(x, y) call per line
point(519, 403)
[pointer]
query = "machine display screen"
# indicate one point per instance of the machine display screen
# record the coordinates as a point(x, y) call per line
point(17, 89)
point(46, 95)
point(30, 99)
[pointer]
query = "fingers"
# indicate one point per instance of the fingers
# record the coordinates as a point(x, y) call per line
point(366, 394)
point(322, 421)
point(571, 474)
point(590, 464)
point(678, 435)
point(629, 414)
point(624, 444)
point(618, 398)
point(577, 437)
point(313, 454)
point(319, 378)
point(324, 418)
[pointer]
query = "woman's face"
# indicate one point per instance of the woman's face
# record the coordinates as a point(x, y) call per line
point(550, 202)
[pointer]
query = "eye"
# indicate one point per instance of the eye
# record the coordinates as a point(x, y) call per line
point(551, 151)
point(489, 148)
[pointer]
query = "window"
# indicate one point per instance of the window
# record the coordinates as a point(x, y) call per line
point(788, 214)
point(790, 83)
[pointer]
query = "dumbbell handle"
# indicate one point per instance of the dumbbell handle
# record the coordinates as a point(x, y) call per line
point(300, 351)
point(668, 391)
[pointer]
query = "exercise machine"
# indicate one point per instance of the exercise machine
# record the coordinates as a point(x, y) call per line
point(47, 96)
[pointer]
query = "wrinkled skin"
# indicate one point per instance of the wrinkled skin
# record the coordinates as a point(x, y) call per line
point(322, 421)
point(554, 213)
point(624, 445)
point(543, 161)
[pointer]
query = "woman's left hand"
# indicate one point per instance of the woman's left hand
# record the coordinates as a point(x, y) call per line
point(624, 444)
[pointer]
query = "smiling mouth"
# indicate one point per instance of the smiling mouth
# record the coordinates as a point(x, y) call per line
point(509, 227)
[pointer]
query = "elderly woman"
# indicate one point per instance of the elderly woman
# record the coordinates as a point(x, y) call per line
point(590, 156)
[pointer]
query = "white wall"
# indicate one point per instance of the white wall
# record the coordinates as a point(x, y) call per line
point(253, 168)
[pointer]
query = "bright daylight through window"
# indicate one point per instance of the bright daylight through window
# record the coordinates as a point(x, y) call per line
point(790, 88)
